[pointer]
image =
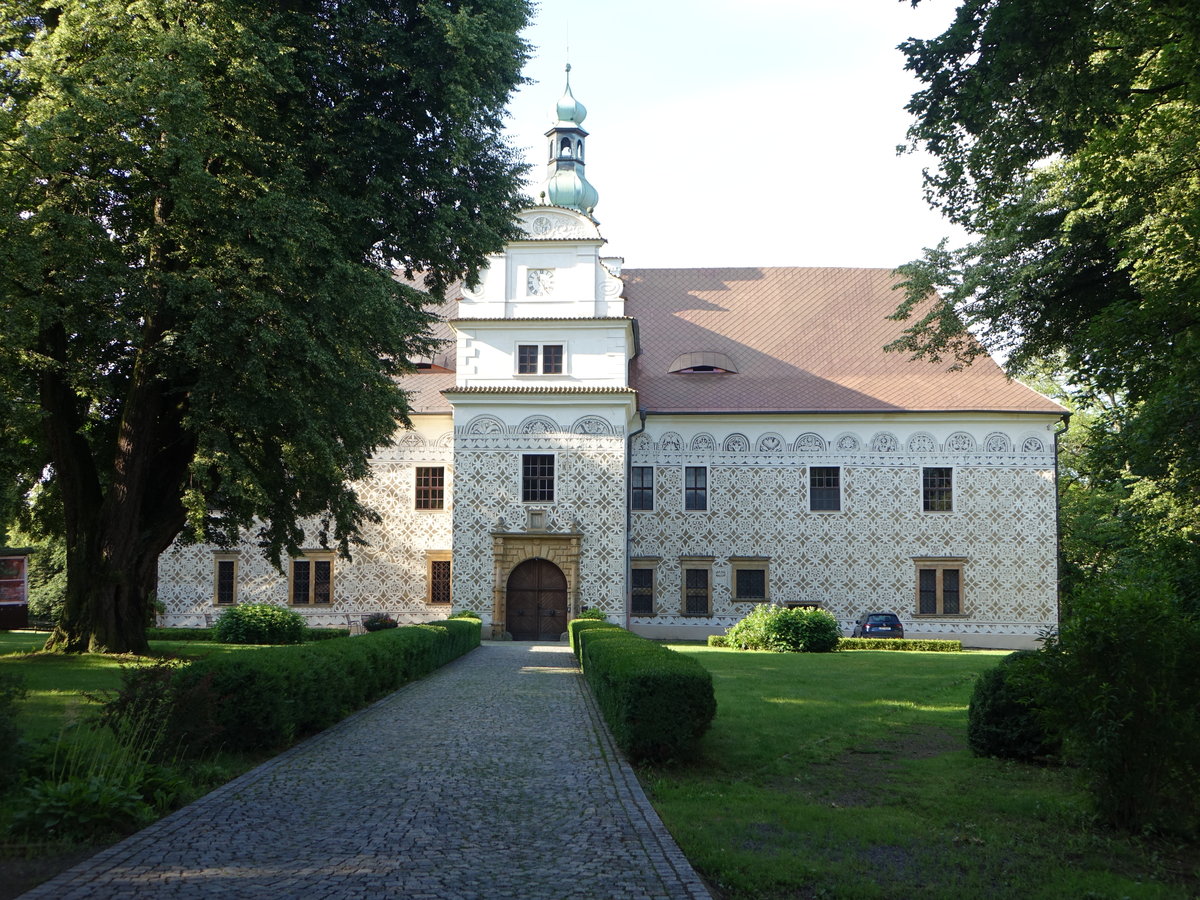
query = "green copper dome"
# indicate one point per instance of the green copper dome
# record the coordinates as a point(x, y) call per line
point(569, 110)
point(566, 185)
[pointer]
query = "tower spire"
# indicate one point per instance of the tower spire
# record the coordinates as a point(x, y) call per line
point(566, 184)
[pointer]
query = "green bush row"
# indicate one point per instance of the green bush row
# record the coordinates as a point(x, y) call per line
point(179, 634)
point(268, 698)
point(658, 703)
point(206, 634)
point(899, 644)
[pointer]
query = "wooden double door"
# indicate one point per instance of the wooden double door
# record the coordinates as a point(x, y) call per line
point(536, 599)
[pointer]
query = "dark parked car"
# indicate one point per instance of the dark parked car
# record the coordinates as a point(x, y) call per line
point(878, 625)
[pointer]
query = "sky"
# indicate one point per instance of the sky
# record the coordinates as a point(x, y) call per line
point(740, 132)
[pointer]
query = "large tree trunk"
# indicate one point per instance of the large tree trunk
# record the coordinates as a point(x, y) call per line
point(118, 525)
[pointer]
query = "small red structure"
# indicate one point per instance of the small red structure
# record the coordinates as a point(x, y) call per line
point(14, 589)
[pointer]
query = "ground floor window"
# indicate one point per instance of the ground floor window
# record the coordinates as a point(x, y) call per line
point(225, 580)
point(641, 587)
point(749, 577)
point(311, 582)
point(697, 586)
point(939, 587)
point(437, 564)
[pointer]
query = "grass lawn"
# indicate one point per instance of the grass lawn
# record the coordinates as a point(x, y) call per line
point(847, 775)
point(58, 683)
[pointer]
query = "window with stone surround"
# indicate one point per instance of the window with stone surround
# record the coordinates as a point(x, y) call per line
point(311, 579)
point(749, 579)
point(437, 566)
point(643, 576)
point(696, 580)
point(225, 566)
point(940, 586)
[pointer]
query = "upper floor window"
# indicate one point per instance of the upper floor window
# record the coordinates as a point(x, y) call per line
point(937, 489)
point(540, 359)
point(642, 487)
point(695, 487)
point(537, 478)
point(825, 488)
point(431, 487)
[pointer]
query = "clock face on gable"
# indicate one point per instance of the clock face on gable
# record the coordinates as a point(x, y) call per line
point(540, 282)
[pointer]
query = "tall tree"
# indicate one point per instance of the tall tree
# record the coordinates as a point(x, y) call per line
point(202, 202)
point(1067, 134)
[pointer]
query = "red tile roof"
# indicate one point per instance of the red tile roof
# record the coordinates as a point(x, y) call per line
point(803, 340)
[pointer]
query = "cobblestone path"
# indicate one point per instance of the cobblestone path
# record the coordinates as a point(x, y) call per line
point(492, 778)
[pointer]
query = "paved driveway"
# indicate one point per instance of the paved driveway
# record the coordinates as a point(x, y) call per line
point(492, 778)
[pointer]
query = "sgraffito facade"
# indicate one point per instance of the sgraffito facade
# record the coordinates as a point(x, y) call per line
point(673, 446)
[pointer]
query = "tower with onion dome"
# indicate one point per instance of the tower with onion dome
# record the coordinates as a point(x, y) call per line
point(566, 184)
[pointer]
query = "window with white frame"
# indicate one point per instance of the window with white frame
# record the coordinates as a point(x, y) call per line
point(430, 490)
point(825, 488)
point(641, 495)
point(937, 489)
point(537, 478)
point(540, 359)
point(695, 487)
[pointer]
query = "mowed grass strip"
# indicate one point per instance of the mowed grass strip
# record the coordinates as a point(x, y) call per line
point(847, 775)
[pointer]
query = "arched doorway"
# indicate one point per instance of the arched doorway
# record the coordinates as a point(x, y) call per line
point(536, 601)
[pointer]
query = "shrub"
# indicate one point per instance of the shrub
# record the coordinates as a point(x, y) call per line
point(12, 689)
point(466, 614)
point(179, 634)
point(770, 627)
point(927, 646)
point(717, 640)
point(1007, 716)
point(259, 623)
point(378, 622)
point(657, 703)
point(1126, 696)
point(591, 613)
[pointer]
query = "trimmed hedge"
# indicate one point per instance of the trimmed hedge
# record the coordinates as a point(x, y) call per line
point(899, 644)
point(266, 699)
point(206, 634)
point(577, 626)
point(657, 703)
point(179, 634)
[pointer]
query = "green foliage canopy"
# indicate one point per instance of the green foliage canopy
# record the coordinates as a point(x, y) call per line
point(1066, 135)
point(202, 202)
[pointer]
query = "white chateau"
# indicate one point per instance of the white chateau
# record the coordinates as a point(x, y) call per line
point(674, 446)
